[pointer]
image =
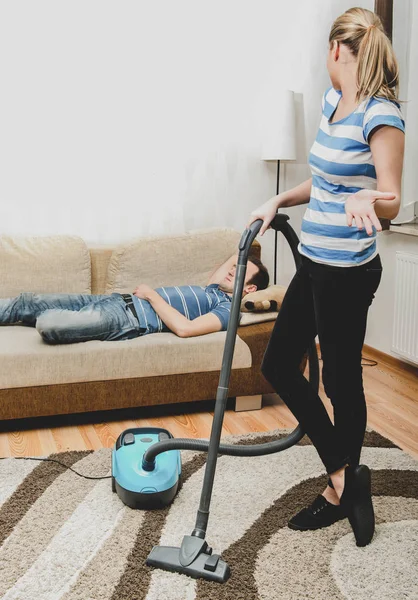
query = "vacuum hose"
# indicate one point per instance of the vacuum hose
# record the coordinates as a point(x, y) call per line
point(148, 461)
point(279, 223)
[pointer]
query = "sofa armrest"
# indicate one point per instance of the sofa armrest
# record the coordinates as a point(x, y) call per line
point(257, 336)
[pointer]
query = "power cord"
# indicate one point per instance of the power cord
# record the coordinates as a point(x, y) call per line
point(374, 362)
point(55, 461)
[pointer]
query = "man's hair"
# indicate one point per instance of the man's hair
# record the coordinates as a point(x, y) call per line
point(261, 278)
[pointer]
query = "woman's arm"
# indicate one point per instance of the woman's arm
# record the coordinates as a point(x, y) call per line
point(298, 195)
point(387, 145)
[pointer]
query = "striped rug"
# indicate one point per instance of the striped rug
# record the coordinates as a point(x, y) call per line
point(68, 538)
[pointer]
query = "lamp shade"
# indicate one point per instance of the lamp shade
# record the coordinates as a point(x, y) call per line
point(279, 135)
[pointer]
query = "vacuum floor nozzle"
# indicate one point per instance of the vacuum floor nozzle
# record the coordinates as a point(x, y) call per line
point(206, 566)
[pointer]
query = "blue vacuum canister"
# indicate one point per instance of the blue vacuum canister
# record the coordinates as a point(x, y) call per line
point(139, 488)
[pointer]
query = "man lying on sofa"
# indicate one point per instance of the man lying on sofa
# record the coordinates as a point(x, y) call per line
point(187, 310)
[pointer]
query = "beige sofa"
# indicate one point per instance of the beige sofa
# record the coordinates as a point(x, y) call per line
point(41, 380)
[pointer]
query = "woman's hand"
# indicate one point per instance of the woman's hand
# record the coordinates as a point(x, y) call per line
point(359, 206)
point(267, 212)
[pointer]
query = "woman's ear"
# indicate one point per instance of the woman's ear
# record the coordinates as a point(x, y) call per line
point(336, 50)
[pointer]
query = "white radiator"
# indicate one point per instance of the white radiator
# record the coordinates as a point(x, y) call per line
point(405, 322)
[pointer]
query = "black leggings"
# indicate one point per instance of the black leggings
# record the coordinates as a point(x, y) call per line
point(331, 302)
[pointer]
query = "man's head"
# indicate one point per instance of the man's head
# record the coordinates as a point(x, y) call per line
point(256, 277)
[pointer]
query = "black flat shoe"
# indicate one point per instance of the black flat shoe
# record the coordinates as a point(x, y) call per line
point(320, 513)
point(356, 501)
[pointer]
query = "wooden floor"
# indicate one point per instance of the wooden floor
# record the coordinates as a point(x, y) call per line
point(391, 389)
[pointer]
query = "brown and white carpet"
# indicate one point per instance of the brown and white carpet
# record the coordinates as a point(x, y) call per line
point(68, 538)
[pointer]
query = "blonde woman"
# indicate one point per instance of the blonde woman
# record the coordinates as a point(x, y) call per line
point(358, 150)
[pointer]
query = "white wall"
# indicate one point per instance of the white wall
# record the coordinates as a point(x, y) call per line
point(121, 119)
point(132, 118)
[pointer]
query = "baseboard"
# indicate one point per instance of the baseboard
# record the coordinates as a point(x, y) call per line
point(379, 356)
point(107, 416)
point(391, 360)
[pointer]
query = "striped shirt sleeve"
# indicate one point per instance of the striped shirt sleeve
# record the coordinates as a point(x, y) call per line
point(382, 112)
point(223, 310)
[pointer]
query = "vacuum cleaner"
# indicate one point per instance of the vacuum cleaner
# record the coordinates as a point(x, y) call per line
point(146, 463)
point(140, 485)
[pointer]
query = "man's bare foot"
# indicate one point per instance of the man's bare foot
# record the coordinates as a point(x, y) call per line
point(331, 495)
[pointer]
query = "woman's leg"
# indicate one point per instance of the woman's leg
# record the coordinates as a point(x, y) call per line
point(108, 318)
point(295, 329)
point(27, 307)
point(342, 298)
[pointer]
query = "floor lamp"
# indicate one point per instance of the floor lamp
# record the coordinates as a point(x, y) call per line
point(279, 141)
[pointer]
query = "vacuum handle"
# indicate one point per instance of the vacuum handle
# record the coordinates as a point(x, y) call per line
point(247, 239)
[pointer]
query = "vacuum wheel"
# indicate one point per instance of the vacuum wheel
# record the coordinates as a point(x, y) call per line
point(113, 485)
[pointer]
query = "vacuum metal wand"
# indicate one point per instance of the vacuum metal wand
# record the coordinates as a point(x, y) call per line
point(222, 393)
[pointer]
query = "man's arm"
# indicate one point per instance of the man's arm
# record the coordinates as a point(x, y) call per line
point(219, 272)
point(175, 321)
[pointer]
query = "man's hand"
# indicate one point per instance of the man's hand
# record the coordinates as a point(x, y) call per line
point(143, 291)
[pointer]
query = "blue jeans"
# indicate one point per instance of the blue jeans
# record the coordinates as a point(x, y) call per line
point(70, 318)
point(331, 302)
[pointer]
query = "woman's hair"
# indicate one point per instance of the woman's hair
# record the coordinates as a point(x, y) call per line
point(362, 32)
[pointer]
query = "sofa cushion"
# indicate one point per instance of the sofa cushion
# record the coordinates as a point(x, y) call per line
point(27, 361)
point(44, 264)
point(170, 260)
point(250, 318)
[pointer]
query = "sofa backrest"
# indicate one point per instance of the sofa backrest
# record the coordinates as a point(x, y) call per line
point(44, 264)
point(100, 257)
point(171, 260)
point(64, 263)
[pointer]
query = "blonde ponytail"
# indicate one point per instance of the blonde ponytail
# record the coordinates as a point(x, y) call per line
point(377, 68)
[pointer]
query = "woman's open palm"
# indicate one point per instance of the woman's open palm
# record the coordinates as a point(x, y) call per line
point(359, 206)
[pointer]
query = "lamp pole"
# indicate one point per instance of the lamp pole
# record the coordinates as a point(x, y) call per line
point(275, 232)
point(280, 139)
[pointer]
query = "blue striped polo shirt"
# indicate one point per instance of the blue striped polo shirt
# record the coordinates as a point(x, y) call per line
point(341, 163)
point(192, 301)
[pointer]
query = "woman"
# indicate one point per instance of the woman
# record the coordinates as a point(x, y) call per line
point(358, 150)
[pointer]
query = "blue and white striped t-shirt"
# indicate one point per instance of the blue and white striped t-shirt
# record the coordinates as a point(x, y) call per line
point(192, 301)
point(341, 163)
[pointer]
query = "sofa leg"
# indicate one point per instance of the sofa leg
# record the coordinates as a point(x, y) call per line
point(248, 402)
